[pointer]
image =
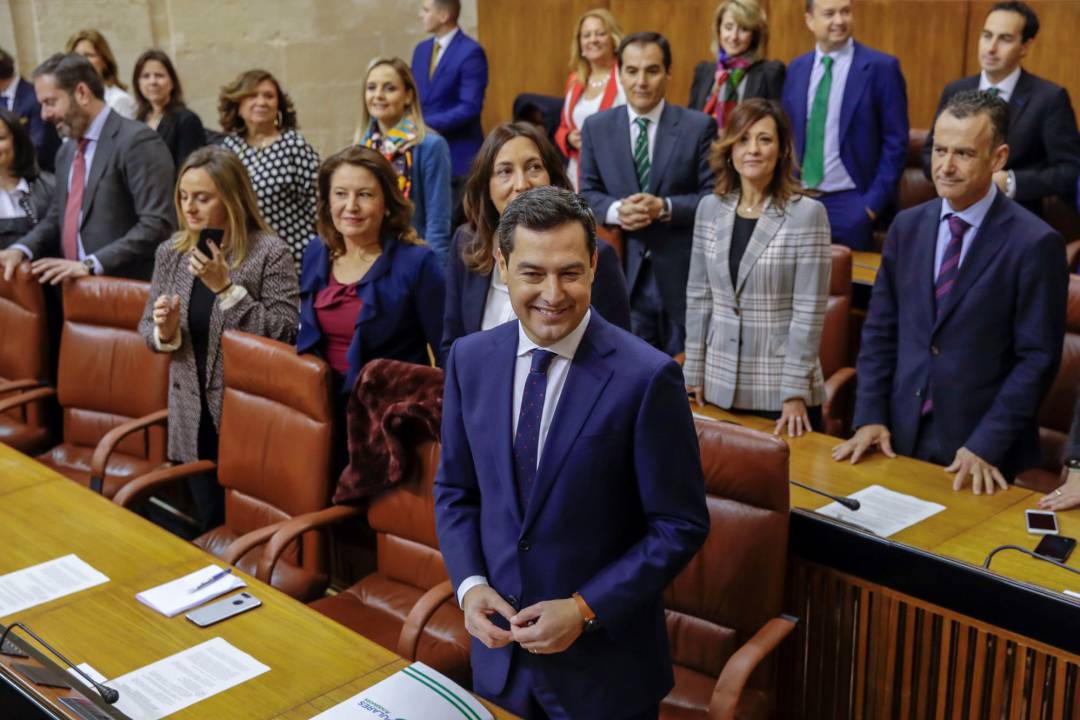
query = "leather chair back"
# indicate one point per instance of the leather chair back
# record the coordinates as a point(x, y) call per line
point(836, 333)
point(274, 449)
point(735, 583)
point(23, 356)
point(914, 187)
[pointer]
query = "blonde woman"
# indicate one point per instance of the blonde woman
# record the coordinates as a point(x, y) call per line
point(247, 282)
point(93, 46)
point(391, 122)
point(593, 85)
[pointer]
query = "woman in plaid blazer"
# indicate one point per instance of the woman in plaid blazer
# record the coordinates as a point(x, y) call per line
point(759, 278)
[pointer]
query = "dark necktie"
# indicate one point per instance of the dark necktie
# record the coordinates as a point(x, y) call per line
point(7, 103)
point(946, 278)
point(642, 165)
point(527, 438)
point(74, 202)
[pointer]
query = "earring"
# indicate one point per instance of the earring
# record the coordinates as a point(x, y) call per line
point(279, 120)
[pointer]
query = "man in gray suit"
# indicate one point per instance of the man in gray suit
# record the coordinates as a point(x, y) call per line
point(113, 200)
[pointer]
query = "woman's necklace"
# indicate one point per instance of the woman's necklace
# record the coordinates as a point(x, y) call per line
point(754, 209)
point(599, 83)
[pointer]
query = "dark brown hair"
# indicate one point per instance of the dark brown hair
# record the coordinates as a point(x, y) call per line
point(979, 102)
point(24, 164)
point(479, 209)
point(783, 184)
point(399, 209)
point(176, 97)
point(243, 87)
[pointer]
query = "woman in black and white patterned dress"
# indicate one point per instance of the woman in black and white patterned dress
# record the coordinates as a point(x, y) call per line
point(260, 125)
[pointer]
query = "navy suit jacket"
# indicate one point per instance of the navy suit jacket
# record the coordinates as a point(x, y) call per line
point(466, 291)
point(454, 96)
point(991, 356)
point(617, 509)
point(402, 310)
point(873, 121)
point(680, 172)
point(42, 134)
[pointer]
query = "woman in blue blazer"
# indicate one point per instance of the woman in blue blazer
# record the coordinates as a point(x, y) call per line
point(514, 158)
point(391, 123)
point(370, 288)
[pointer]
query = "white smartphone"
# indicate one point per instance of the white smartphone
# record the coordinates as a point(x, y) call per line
point(223, 609)
point(1041, 522)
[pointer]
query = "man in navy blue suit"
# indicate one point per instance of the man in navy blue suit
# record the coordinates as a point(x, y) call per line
point(451, 76)
point(644, 167)
point(966, 321)
point(19, 97)
point(848, 107)
point(570, 491)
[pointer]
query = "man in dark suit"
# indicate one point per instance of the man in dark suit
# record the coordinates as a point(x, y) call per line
point(18, 96)
point(1044, 146)
point(967, 317)
point(113, 199)
point(644, 167)
point(848, 108)
point(561, 542)
point(451, 76)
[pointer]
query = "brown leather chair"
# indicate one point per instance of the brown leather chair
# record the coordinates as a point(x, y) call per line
point(23, 362)
point(111, 388)
point(836, 347)
point(1056, 413)
point(723, 610)
point(273, 461)
point(914, 187)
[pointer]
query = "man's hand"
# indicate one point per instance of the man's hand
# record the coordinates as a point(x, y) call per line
point(639, 211)
point(548, 627)
point(983, 474)
point(10, 260)
point(865, 437)
point(55, 270)
point(480, 603)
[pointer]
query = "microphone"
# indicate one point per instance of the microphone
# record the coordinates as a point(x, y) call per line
point(108, 694)
point(1029, 553)
point(849, 503)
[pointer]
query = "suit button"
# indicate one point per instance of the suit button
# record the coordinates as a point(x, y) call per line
point(934, 350)
point(918, 393)
point(524, 546)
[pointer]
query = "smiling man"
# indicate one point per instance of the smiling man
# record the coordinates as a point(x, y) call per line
point(113, 200)
point(967, 317)
point(570, 491)
point(1044, 146)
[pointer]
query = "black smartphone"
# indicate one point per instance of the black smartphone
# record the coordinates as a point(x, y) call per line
point(1056, 547)
point(207, 235)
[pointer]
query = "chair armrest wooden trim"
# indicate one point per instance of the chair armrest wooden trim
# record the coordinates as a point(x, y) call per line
point(13, 385)
point(240, 547)
point(26, 398)
point(295, 528)
point(100, 459)
point(739, 667)
point(419, 615)
point(143, 485)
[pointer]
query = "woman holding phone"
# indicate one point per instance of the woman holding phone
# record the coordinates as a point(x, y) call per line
point(224, 270)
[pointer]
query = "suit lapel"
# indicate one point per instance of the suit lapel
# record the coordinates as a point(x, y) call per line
point(102, 154)
point(448, 55)
point(474, 298)
point(667, 137)
point(726, 222)
point(589, 375)
point(624, 153)
point(800, 81)
point(423, 57)
point(857, 80)
point(768, 225)
point(925, 247)
point(1018, 101)
point(498, 388)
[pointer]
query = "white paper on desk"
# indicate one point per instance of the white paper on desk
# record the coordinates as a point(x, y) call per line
point(414, 692)
point(175, 597)
point(172, 684)
point(883, 512)
point(46, 581)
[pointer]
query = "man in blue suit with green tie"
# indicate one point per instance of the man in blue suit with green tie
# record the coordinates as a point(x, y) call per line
point(570, 491)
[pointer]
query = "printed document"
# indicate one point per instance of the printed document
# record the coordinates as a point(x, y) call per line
point(414, 692)
point(47, 581)
point(883, 512)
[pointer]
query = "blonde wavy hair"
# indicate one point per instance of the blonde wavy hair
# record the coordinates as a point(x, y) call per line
point(578, 64)
point(412, 110)
point(750, 16)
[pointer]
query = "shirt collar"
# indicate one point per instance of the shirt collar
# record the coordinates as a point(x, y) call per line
point(975, 213)
point(10, 91)
point(653, 115)
point(1006, 86)
point(444, 40)
point(93, 133)
point(566, 347)
point(848, 49)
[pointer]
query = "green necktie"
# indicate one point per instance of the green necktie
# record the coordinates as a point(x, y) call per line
point(641, 153)
point(814, 157)
point(996, 92)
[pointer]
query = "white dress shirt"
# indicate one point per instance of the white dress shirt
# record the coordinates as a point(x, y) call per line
point(9, 94)
point(836, 176)
point(558, 370)
point(973, 215)
point(442, 42)
point(612, 217)
point(1005, 89)
point(9, 200)
point(497, 307)
point(120, 101)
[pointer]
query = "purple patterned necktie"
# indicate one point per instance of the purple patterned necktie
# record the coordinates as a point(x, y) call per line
point(527, 438)
point(946, 278)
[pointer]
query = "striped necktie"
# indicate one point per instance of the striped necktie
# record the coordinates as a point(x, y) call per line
point(641, 153)
point(946, 279)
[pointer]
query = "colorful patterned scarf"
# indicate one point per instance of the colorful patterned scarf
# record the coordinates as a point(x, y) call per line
point(729, 73)
point(396, 147)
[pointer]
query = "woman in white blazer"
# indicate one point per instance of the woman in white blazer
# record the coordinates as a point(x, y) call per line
point(759, 278)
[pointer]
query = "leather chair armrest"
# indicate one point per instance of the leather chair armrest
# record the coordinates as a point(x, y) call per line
point(739, 667)
point(240, 547)
point(296, 527)
point(143, 485)
point(419, 615)
point(13, 385)
point(26, 398)
point(108, 443)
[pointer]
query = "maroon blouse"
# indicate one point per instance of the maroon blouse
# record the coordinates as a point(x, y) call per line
point(337, 309)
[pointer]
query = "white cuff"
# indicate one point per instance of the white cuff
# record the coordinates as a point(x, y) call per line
point(23, 249)
point(468, 584)
point(166, 347)
point(230, 297)
point(612, 217)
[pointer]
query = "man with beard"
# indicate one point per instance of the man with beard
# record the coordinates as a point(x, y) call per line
point(113, 200)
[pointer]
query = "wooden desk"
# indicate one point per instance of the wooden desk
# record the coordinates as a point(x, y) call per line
point(864, 266)
point(310, 656)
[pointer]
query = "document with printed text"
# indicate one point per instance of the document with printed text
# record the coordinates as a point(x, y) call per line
point(47, 581)
point(883, 512)
point(416, 691)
